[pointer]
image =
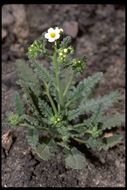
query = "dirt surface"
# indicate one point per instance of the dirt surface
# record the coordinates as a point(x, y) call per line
point(98, 32)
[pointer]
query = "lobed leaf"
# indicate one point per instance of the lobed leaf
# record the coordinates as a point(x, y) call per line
point(105, 143)
point(84, 88)
point(32, 137)
point(45, 108)
point(75, 159)
point(92, 105)
point(113, 121)
point(27, 75)
point(46, 149)
point(19, 106)
point(65, 42)
point(42, 73)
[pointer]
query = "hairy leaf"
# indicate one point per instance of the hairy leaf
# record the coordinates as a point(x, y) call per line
point(75, 159)
point(32, 120)
point(112, 141)
point(92, 105)
point(84, 88)
point(19, 106)
point(27, 75)
point(105, 143)
point(42, 73)
point(106, 101)
point(65, 42)
point(32, 137)
point(45, 109)
point(113, 121)
point(46, 149)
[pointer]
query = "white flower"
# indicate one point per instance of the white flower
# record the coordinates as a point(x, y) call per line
point(60, 30)
point(65, 50)
point(57, 29)
point(53, 34)
point(60, 53)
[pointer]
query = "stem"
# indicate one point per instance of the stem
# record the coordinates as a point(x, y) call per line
point(50, 98)
point(33, 127)
point(68, 85)
point(56, 66)
point(79, 125)
point(79, 140)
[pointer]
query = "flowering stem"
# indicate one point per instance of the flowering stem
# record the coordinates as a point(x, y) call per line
point(68, 85)
point(61, 101)
point(78, 125)
point(50, 98)
point(79, 140)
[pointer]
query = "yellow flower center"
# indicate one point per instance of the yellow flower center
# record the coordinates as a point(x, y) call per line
point(52, 35)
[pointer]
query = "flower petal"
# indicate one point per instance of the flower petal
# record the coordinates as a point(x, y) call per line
point(51, 39)
point(50, 30)
point(57, 30)
point(47, 35)
point(57, 36)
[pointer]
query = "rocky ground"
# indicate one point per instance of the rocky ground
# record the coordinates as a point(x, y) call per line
point(98, 32)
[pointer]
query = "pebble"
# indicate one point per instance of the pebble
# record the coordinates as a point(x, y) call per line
point(71, 28)
point(7, 140)
point(9, 79)
point(117, 163)
point(4, 33)
point(7, 18)
point(21, 27)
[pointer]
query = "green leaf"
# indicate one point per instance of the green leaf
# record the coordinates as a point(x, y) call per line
point(92, 105)
point(32, 120)
point(95, 118)
point(65, 42)
point(73, 114)
point(113, 121)
point(42, 73)
point(19, 106)
point(46, 149)
point(105, 143)
point(62, 130)
point(106, 101)
point(27, 75)
point(45, 108)
point(65, 72)
point(95, 144)
point(33, 137)
point(14, 119)
point(84, 88)
point(112, 141)
point(54, 92)
point(75, 159)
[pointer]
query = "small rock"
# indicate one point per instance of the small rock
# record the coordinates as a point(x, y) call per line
point(21, 27)
point(7, 141)
point(16, 50)
point(9, 79)
point(7, 18)
point(117, 163)
point(71, 28)
point(4, 57)
point(4, 33)
point(102, 160)
point(15, 47)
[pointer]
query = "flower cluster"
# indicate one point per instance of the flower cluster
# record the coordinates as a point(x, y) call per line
point(35, 49)
point(56, 119)
point(78, 64)
point(14, 119)
point(64, 52)
point(95, 132)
